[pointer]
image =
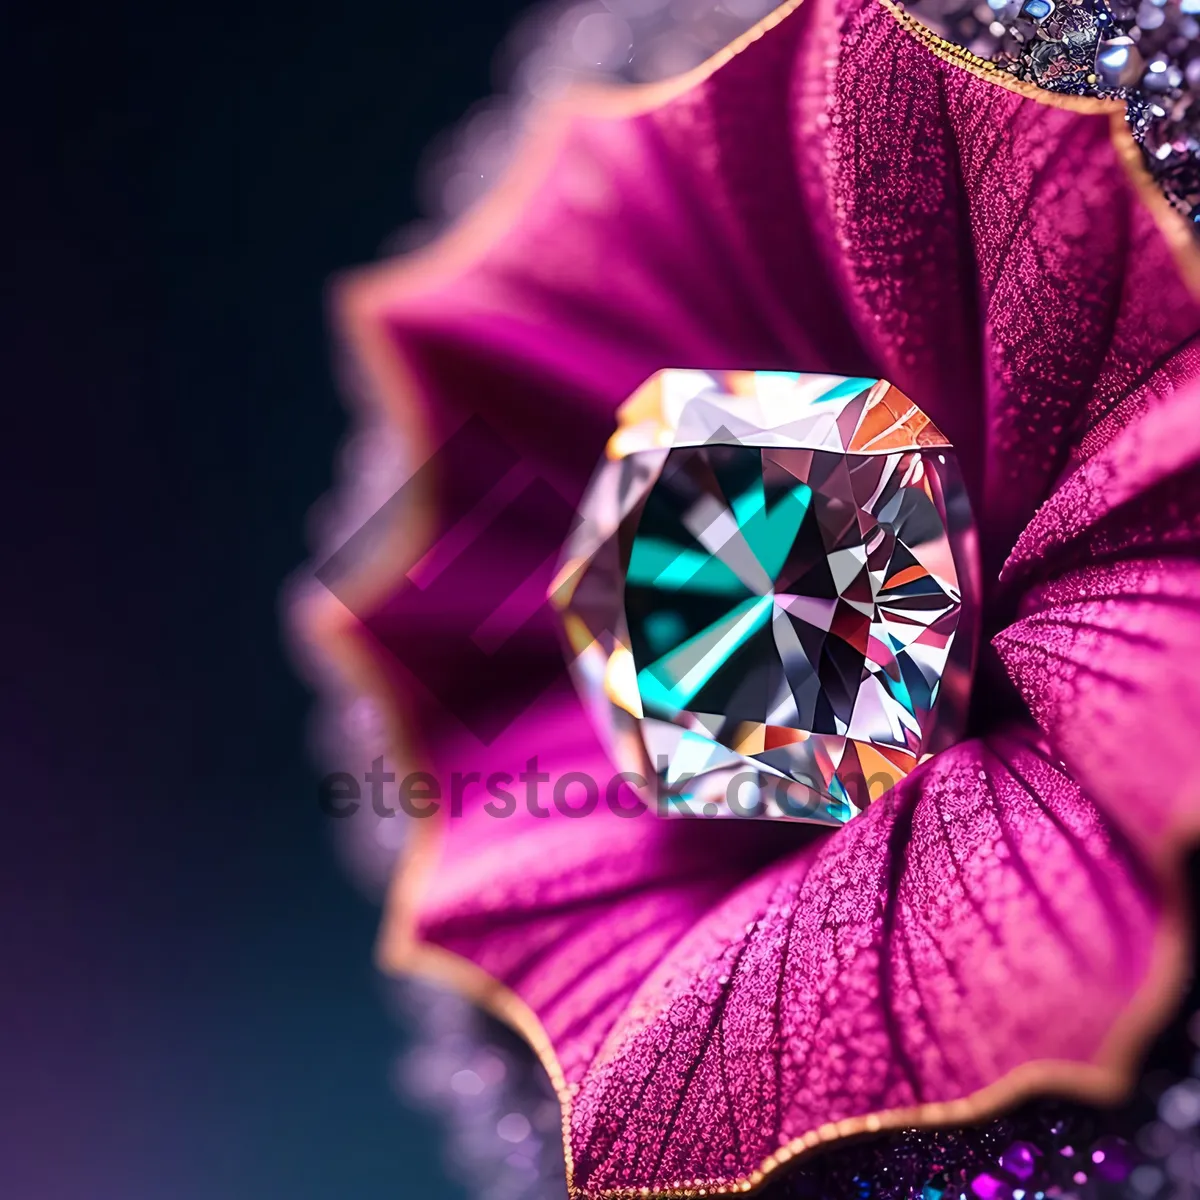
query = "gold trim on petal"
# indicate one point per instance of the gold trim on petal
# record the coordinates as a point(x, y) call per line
point(984, 68)
point(1172, 224)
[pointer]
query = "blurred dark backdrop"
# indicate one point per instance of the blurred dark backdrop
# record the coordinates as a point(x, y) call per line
point(190, 1010)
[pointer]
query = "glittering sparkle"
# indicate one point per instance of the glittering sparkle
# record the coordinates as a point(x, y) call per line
point(1146, 52)
point(770, 599)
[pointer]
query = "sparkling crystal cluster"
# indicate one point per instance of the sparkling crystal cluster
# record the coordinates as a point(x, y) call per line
point(769, 599)
point(1146, 52)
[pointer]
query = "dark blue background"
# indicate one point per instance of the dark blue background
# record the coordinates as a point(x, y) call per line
point(189, 1007)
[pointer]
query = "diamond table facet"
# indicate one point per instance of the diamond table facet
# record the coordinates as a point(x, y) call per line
point(770, 600)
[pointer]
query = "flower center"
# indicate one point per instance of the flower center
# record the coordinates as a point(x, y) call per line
point(771, 597)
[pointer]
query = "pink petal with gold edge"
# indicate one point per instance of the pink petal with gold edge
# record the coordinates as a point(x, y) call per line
point(833, 197)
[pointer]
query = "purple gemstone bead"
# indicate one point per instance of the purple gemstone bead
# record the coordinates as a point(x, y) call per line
point(1112, 1159)
point(1020, 1159)
point(989, 1187)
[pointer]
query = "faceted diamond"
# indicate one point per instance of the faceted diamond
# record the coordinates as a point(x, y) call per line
point(770, 600)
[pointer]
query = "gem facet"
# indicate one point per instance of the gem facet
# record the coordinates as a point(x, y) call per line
point(769, 602)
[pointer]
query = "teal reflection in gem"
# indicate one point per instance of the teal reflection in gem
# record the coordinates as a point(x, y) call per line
point(853, 386)
point(664, 629)
point(670, 683)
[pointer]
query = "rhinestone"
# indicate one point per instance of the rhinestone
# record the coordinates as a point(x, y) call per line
point(1118, 62)
point(1037, 10)
point(770, 600)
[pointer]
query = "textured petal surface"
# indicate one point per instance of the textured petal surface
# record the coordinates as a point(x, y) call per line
point(985, 919)
point(574, 913)
point(1104, 651)
point(834, 197)
point(1105, 658)
point(1154, 434)
point(705, 1016)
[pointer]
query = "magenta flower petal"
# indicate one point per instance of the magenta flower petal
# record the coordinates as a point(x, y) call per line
point(834, 197)
point(955, 207)
point(1105, 653)
point(573, 914)
point(1149, 437)
point(1106, 660)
